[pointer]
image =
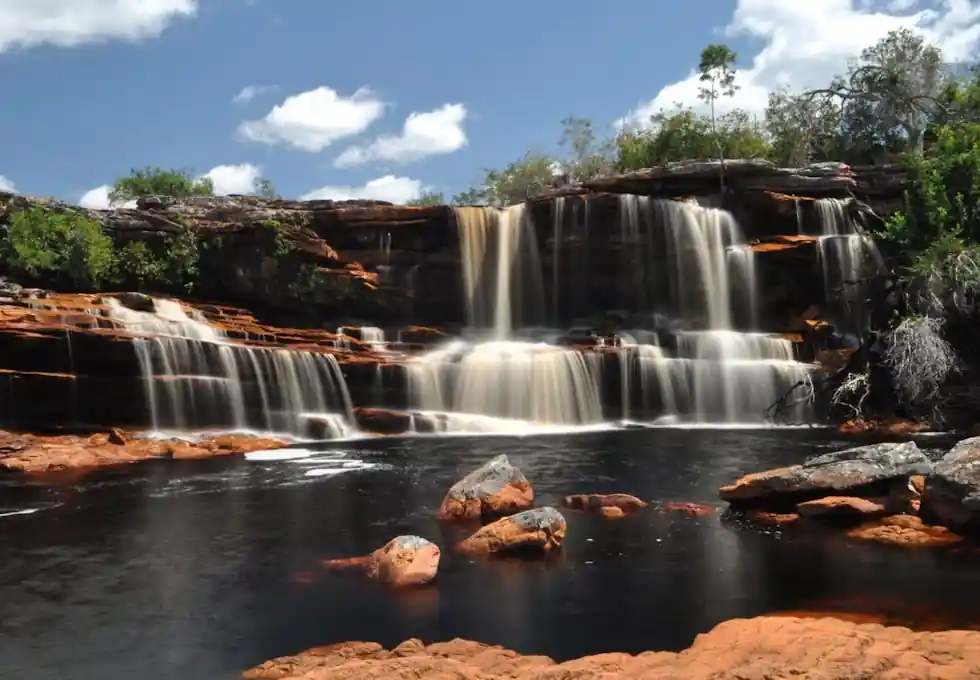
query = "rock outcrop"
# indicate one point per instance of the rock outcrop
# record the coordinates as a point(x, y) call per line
point(532, 531)
point(952, 492)
point(740, 649)
point(38, 454)
point(494, 489)
point(596, 502)
point(863, 471)
point(402, 561)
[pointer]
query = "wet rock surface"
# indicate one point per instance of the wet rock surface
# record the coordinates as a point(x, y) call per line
point(595, 502)
point(841, 507)
point(533, 531)
point(38, 454)
point(403, 561)
point(952, 493)
point(862, 471)
point(762, 648)
point(906, 531)
point(494, 489)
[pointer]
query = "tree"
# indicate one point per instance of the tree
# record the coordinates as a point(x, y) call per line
point(801, 130)
point(154, 181)
point(587, 157)
point(265, 188)
point(889, 96)
point(717, 69)
point(527, 176)
point(428, 198)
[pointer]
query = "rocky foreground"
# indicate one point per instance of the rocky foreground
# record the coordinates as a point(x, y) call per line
point(744, 649)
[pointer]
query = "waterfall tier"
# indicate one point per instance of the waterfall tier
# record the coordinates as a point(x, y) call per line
point(195, 377)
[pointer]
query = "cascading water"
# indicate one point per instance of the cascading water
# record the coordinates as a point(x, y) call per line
point(195, 377)
point(844, 258)
point(679, 261)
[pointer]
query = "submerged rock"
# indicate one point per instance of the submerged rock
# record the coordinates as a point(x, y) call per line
point(862, 471)
point(541, 529)
point(403, 561)
point(906, 531)
point(952, 492)
point(597, 502)
point(495, 489)
point(841, 507)
point(687, 508)
point(743, 649)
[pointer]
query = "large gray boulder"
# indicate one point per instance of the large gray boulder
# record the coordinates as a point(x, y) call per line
point(492, 490)
point(952, 493)
point(867, 471)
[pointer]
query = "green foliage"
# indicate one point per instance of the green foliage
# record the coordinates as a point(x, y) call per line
point(683, 135)
point(587, 156)
point(802, 129)
point(67, 248)
point(428, 198)
point(169, 263)
point(153, 181)
point(717, 74)
point(525, 177)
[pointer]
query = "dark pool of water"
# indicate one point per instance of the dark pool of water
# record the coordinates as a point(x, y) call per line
point(199, 570)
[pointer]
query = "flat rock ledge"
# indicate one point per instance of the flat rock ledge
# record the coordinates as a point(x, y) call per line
point(35, 454)
point(744, 649)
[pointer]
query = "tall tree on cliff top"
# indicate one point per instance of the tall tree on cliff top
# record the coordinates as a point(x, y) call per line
point(889, 96)
point(717, 67)
point(152, 181)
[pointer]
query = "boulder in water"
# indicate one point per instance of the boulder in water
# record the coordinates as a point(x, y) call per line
point(495, 489)
point(952, 492)
point(597, 501)
point(841, 507)
point(906, 531)
point(867, 471)
point(402, 561)
point(537, 530)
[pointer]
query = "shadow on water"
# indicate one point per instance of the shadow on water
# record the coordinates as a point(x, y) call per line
point(201, 569)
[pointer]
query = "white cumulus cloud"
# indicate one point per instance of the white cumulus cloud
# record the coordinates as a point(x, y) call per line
point(428, 133)
point(804, 44)
point(250, 92)
point(315, 119)
point(67, 23)
point(7, 185)
point(387, 188)
point(234, 179)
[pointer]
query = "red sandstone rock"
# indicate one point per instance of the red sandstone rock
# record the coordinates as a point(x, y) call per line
point(495, 489)
point(403, 561)
point(840, 507)
point(541, 529)
point(690, 509)
point(612, 512)
point(382, 421)
point(763, 517)
point(895, 426)
point(597, 502)
point(762, 648)
point(906, 531)
point(37, 454)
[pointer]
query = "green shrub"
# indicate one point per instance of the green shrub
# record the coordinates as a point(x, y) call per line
point(169, 263)
point(65, 248)
point(152, 181)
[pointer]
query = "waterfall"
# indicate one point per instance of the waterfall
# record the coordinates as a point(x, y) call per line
point(194, 377)
point(686, 266)
point(501, 269)
point(844, 254)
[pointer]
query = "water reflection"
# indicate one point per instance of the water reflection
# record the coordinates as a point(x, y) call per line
point(201, 569)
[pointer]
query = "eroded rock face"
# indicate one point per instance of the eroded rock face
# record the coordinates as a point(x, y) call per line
point(952, 492)
point(744, 649)
point(495, 489)
point(597, 501)
point(538, 530)
point(403, 561)
point(34, 454)
point(862, 471)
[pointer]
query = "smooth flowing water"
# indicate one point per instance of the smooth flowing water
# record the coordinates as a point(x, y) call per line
point(683, 263)
point(195, 377)
point(198, 570)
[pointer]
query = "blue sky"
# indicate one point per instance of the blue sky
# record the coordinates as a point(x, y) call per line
point(407, 95)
